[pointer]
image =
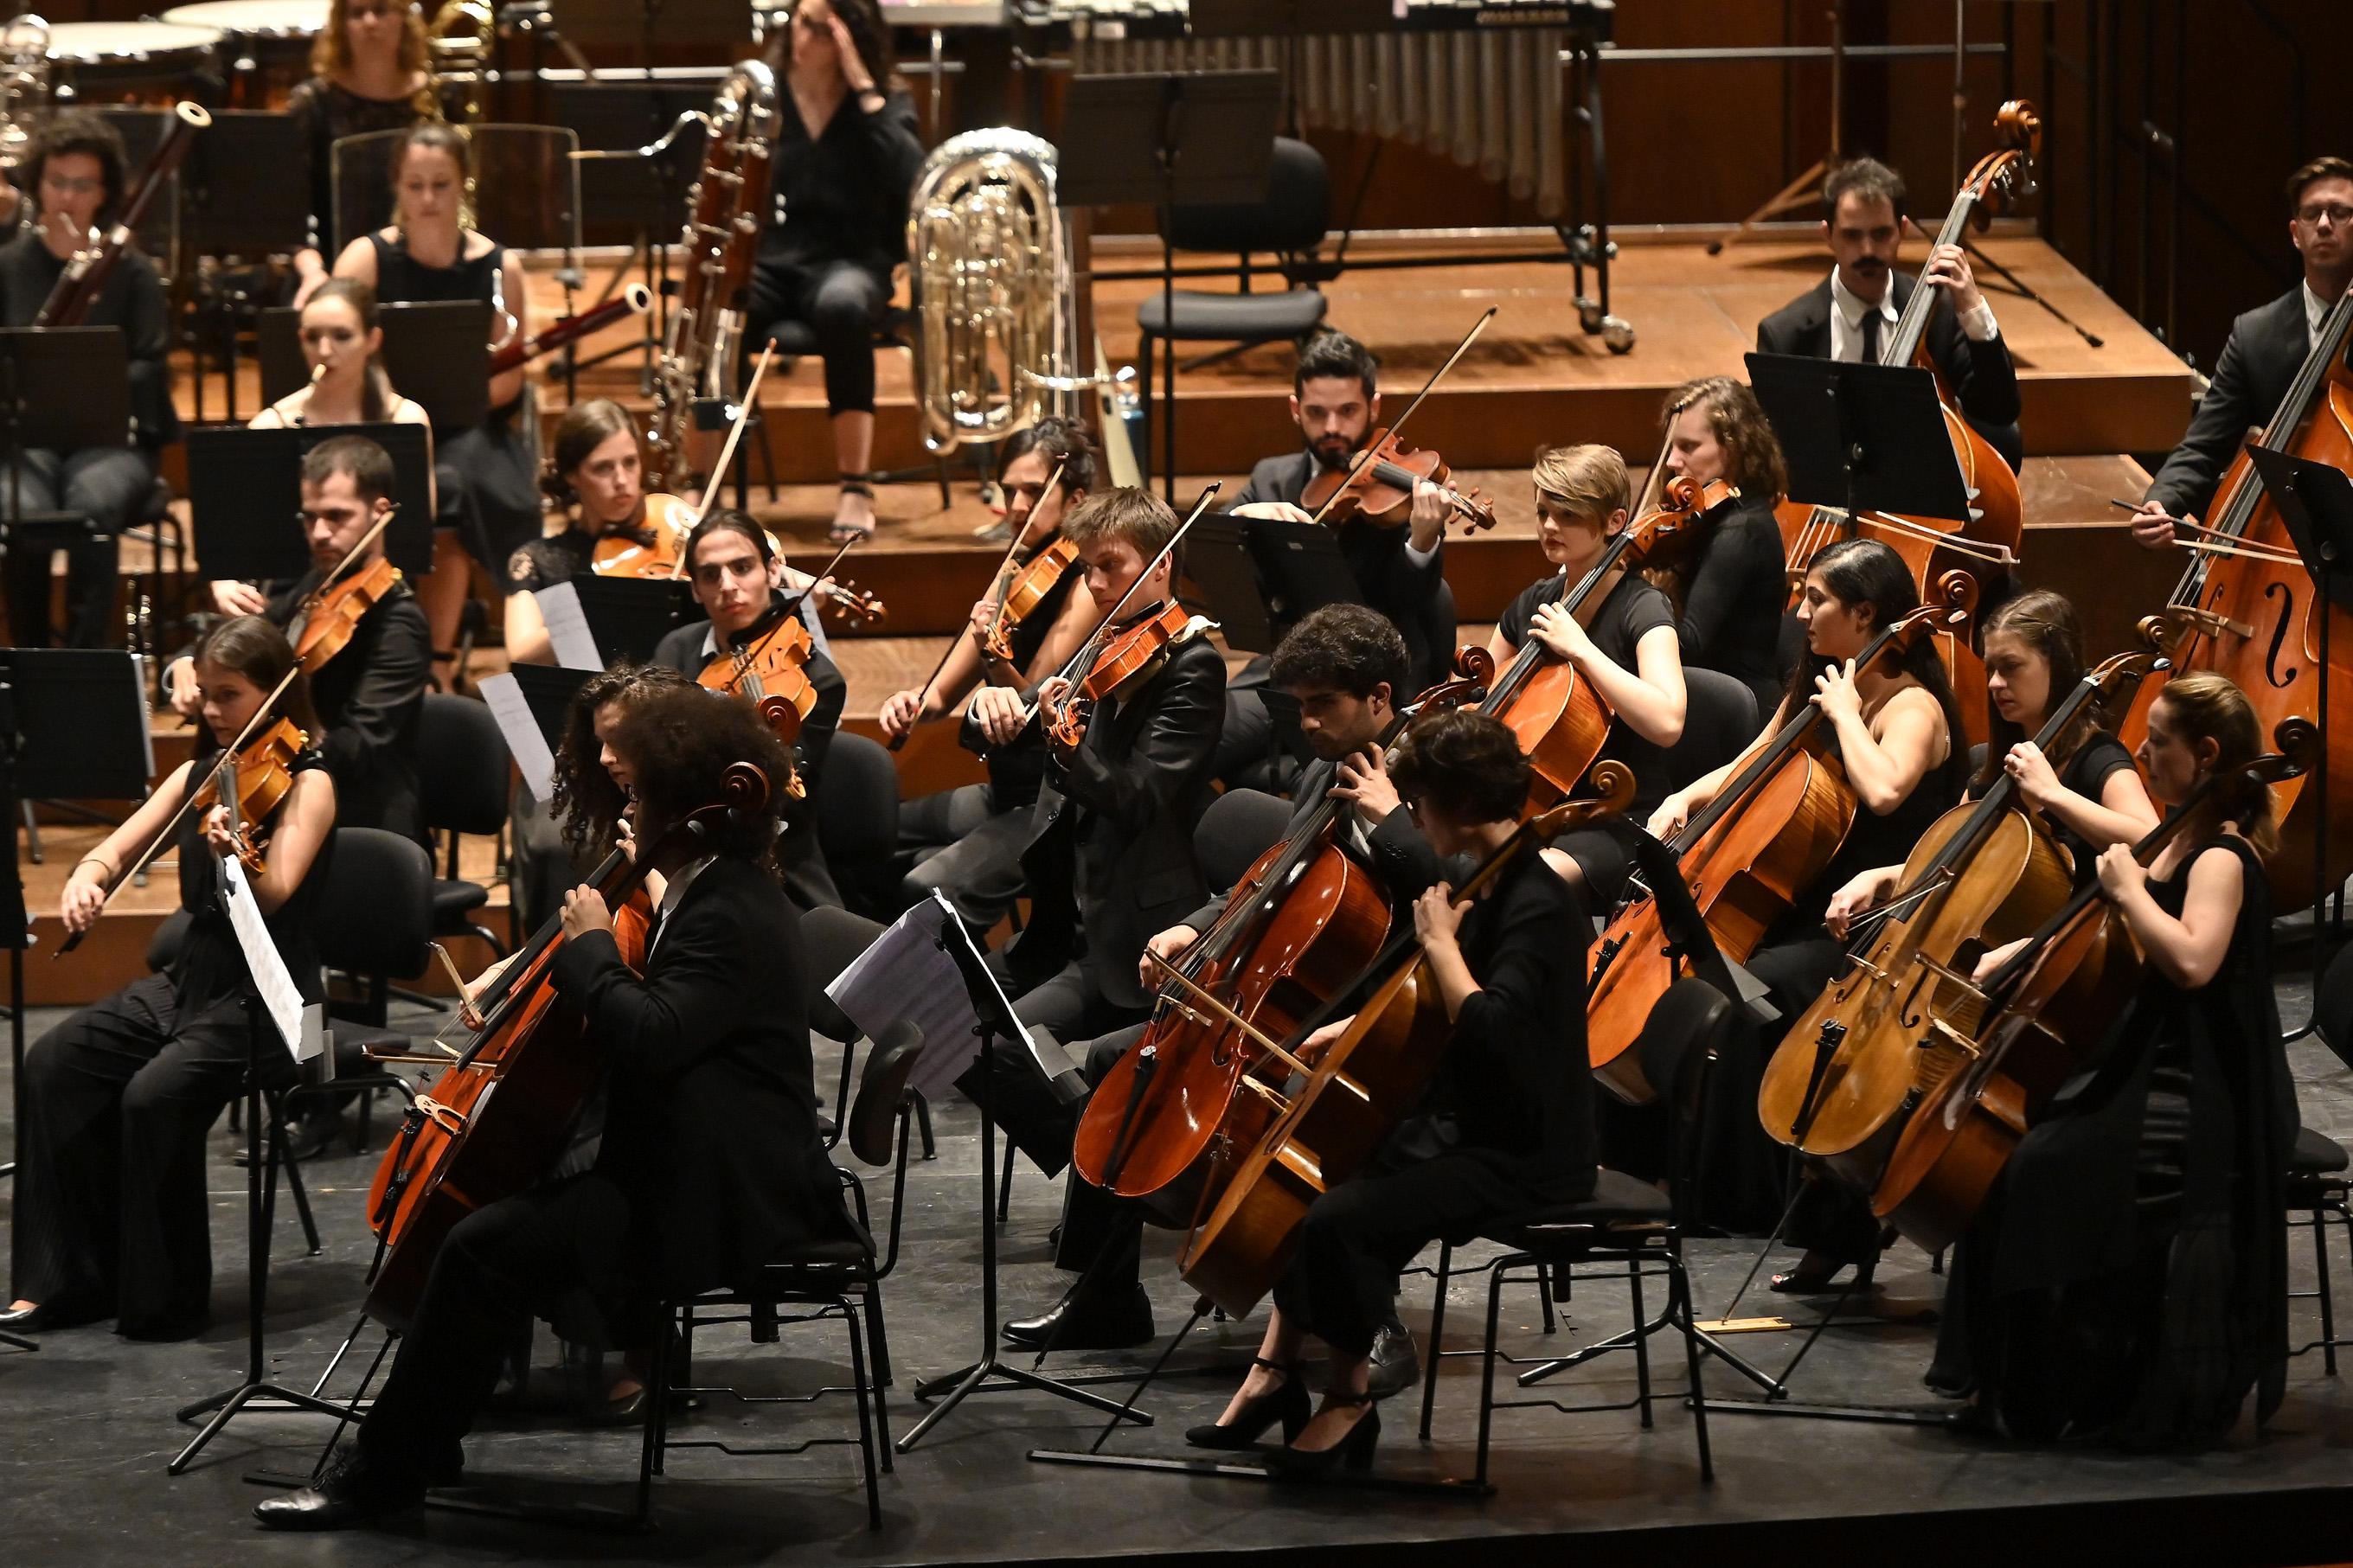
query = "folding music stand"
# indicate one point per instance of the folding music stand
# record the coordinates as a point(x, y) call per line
point(1262, 575)
point(1864, 437)
point(244, 487)
point(62, 388)
point(239, 204)
point(548, 690)
point(629, 615)
point(433, 355)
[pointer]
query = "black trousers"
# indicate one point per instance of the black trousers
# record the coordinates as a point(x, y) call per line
point(1828, 1217)
point(111, 1202)
point(840, 302)
point(1028, 1107)
point(498, 1265)
point(103, 483)
point(974, 847)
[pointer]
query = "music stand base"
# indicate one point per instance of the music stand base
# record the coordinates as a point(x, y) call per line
point(228, 1404)
point(1244, 1470)
point(14, 1344)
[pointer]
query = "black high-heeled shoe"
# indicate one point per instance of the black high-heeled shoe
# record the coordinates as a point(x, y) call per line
point(1355, 1451)
point(1816, 1281)
point(1286, 1403)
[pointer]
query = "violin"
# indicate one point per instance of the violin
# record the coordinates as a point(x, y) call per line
point(1561, 722)
point(651, 546)
point(772, 671)
point(1905, 1015)
point(1363, 1083)
point(1021, 592)
point(1761, 843)
point(2046, 1010)
point(1121, 663)
point(330, 614)
point(1378, 487)
point(264, 772)
point(461, 1146)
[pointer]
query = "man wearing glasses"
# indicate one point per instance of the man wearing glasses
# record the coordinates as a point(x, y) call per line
point(2265, 349)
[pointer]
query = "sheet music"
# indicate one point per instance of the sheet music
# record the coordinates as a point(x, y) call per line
point(567, 627)
point(303, 1029)
point(523, 738)
point(906, 973)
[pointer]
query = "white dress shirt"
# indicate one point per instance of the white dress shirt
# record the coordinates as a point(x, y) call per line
point(1847, 311)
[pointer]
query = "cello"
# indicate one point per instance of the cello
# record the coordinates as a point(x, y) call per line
point(489, 1126)
point(1888, 1031)
point(2246, 608)
point(2047, 1009)
point(1745, 859)
point(1365, 1081)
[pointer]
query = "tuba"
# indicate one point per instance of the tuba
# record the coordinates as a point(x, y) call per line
point(23, 86)
point(457, 43)
point(724, 210)
point(990, 280)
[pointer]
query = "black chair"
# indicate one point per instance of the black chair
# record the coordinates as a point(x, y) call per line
point(2319, 1190)
point(461, 765)
point(856, 812)
point(1239, 825)
point(1628, 1230)
point(1290, 222)
point(1720, 716)
point(894, 329)
point(374, 925)
point(836, 1281)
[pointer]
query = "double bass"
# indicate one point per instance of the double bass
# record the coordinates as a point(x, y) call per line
point(1895, 1024)
point(2246, 607)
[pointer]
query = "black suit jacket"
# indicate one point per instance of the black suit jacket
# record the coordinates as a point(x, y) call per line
point(711, 1120)
point(1391, 582)
point(2266, 349)
point(371, 697)
point(1980, 374)
point(1398, 857)
point(1112, 849)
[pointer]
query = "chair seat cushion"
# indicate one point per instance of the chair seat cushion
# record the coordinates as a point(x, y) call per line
point(1226, 318)
point(1618, 1199)
point(2316, 1155)
point(452, 900)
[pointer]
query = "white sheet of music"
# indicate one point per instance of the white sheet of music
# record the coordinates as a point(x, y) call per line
point(567, 627)
point(532, 757)
point(303, 1029)
point(908, 974)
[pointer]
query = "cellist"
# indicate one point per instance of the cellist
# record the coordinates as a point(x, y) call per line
point(111, 1203)
point(1345, 665)
point(2125, 1281)
point(709, 1161)
point(1508, 1125)
point(1623, 641)
point(2265, 351)
point(1896, 734)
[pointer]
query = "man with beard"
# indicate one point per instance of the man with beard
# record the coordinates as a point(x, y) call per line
point(1851, 314)
point(1335, 405)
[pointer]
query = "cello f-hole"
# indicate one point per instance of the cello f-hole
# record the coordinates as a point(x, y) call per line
point(2279, 637)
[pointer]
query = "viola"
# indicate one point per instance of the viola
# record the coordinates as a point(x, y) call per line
point(331, 615)
point(1359, 1088)
point(771, 670)
point(1905, 1016)
point(1377, 485)
point(2046, 1011)
point(1561, 722)
point(461, 1146)
point(2247, 608)
point(1761, 842)
point(265, 771)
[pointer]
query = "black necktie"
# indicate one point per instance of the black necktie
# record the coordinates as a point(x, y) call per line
point(1872, 321)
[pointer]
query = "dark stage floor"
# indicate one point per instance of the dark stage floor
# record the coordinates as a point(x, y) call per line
point(86, 1428)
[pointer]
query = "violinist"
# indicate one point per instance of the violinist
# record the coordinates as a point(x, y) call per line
point(1731, 591)
point(1345, 665)
point(974, 833)
point(2265, 349)
point(596, 479)
point(73, 171)
point(2125, 1280)
point(709, 1163)
point(371, 694)
point(1850, 314)
point(2085, 789)
point(429, 253)
point(738, 579)
point(1896, 733)
point(110, 1200)
point(1624, 641)
point(1507, 1125)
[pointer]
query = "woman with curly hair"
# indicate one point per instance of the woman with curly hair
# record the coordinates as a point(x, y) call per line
point(710, 1162)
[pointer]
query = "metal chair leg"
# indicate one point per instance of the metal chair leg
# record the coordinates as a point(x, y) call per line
point(1437, 1338)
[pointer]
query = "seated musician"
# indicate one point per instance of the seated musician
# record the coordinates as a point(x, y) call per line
point(73, 171)
point(1851, 314)
point(1345, 664)
point(1731, 591)
point(428, 253)
point(2260, 358)
point(740, 579)
point(844, 163)
point(1897, 734)
point(1506, 1127)
point(974, 833)
point(1401, 571)
point(709, 1162)
point(370, 71)
point(2084, 787)
point(341, 332)
point(1623, 641)
point(110, 1202)
point(2124, 1281)
point(371, 694)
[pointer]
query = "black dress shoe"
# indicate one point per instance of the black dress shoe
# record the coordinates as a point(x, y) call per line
point(1396, 1365)
point(352, 1492)
point(1286, 1403)
point(1816, 1281)
point(45, 1316)
point(1100, 1320)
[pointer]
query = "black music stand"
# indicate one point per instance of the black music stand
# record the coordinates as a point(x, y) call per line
point(1861, 438)
point(244, 487)
point(1262, 575)
point(433, 355)
point(548, 690)
point(629, 615)
point(1163, 140)
point(2315, 502)
point(61, 389)
point(240, 205)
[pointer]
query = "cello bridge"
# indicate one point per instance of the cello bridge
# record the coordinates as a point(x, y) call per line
point(447, 1118)
point(2214, 622)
